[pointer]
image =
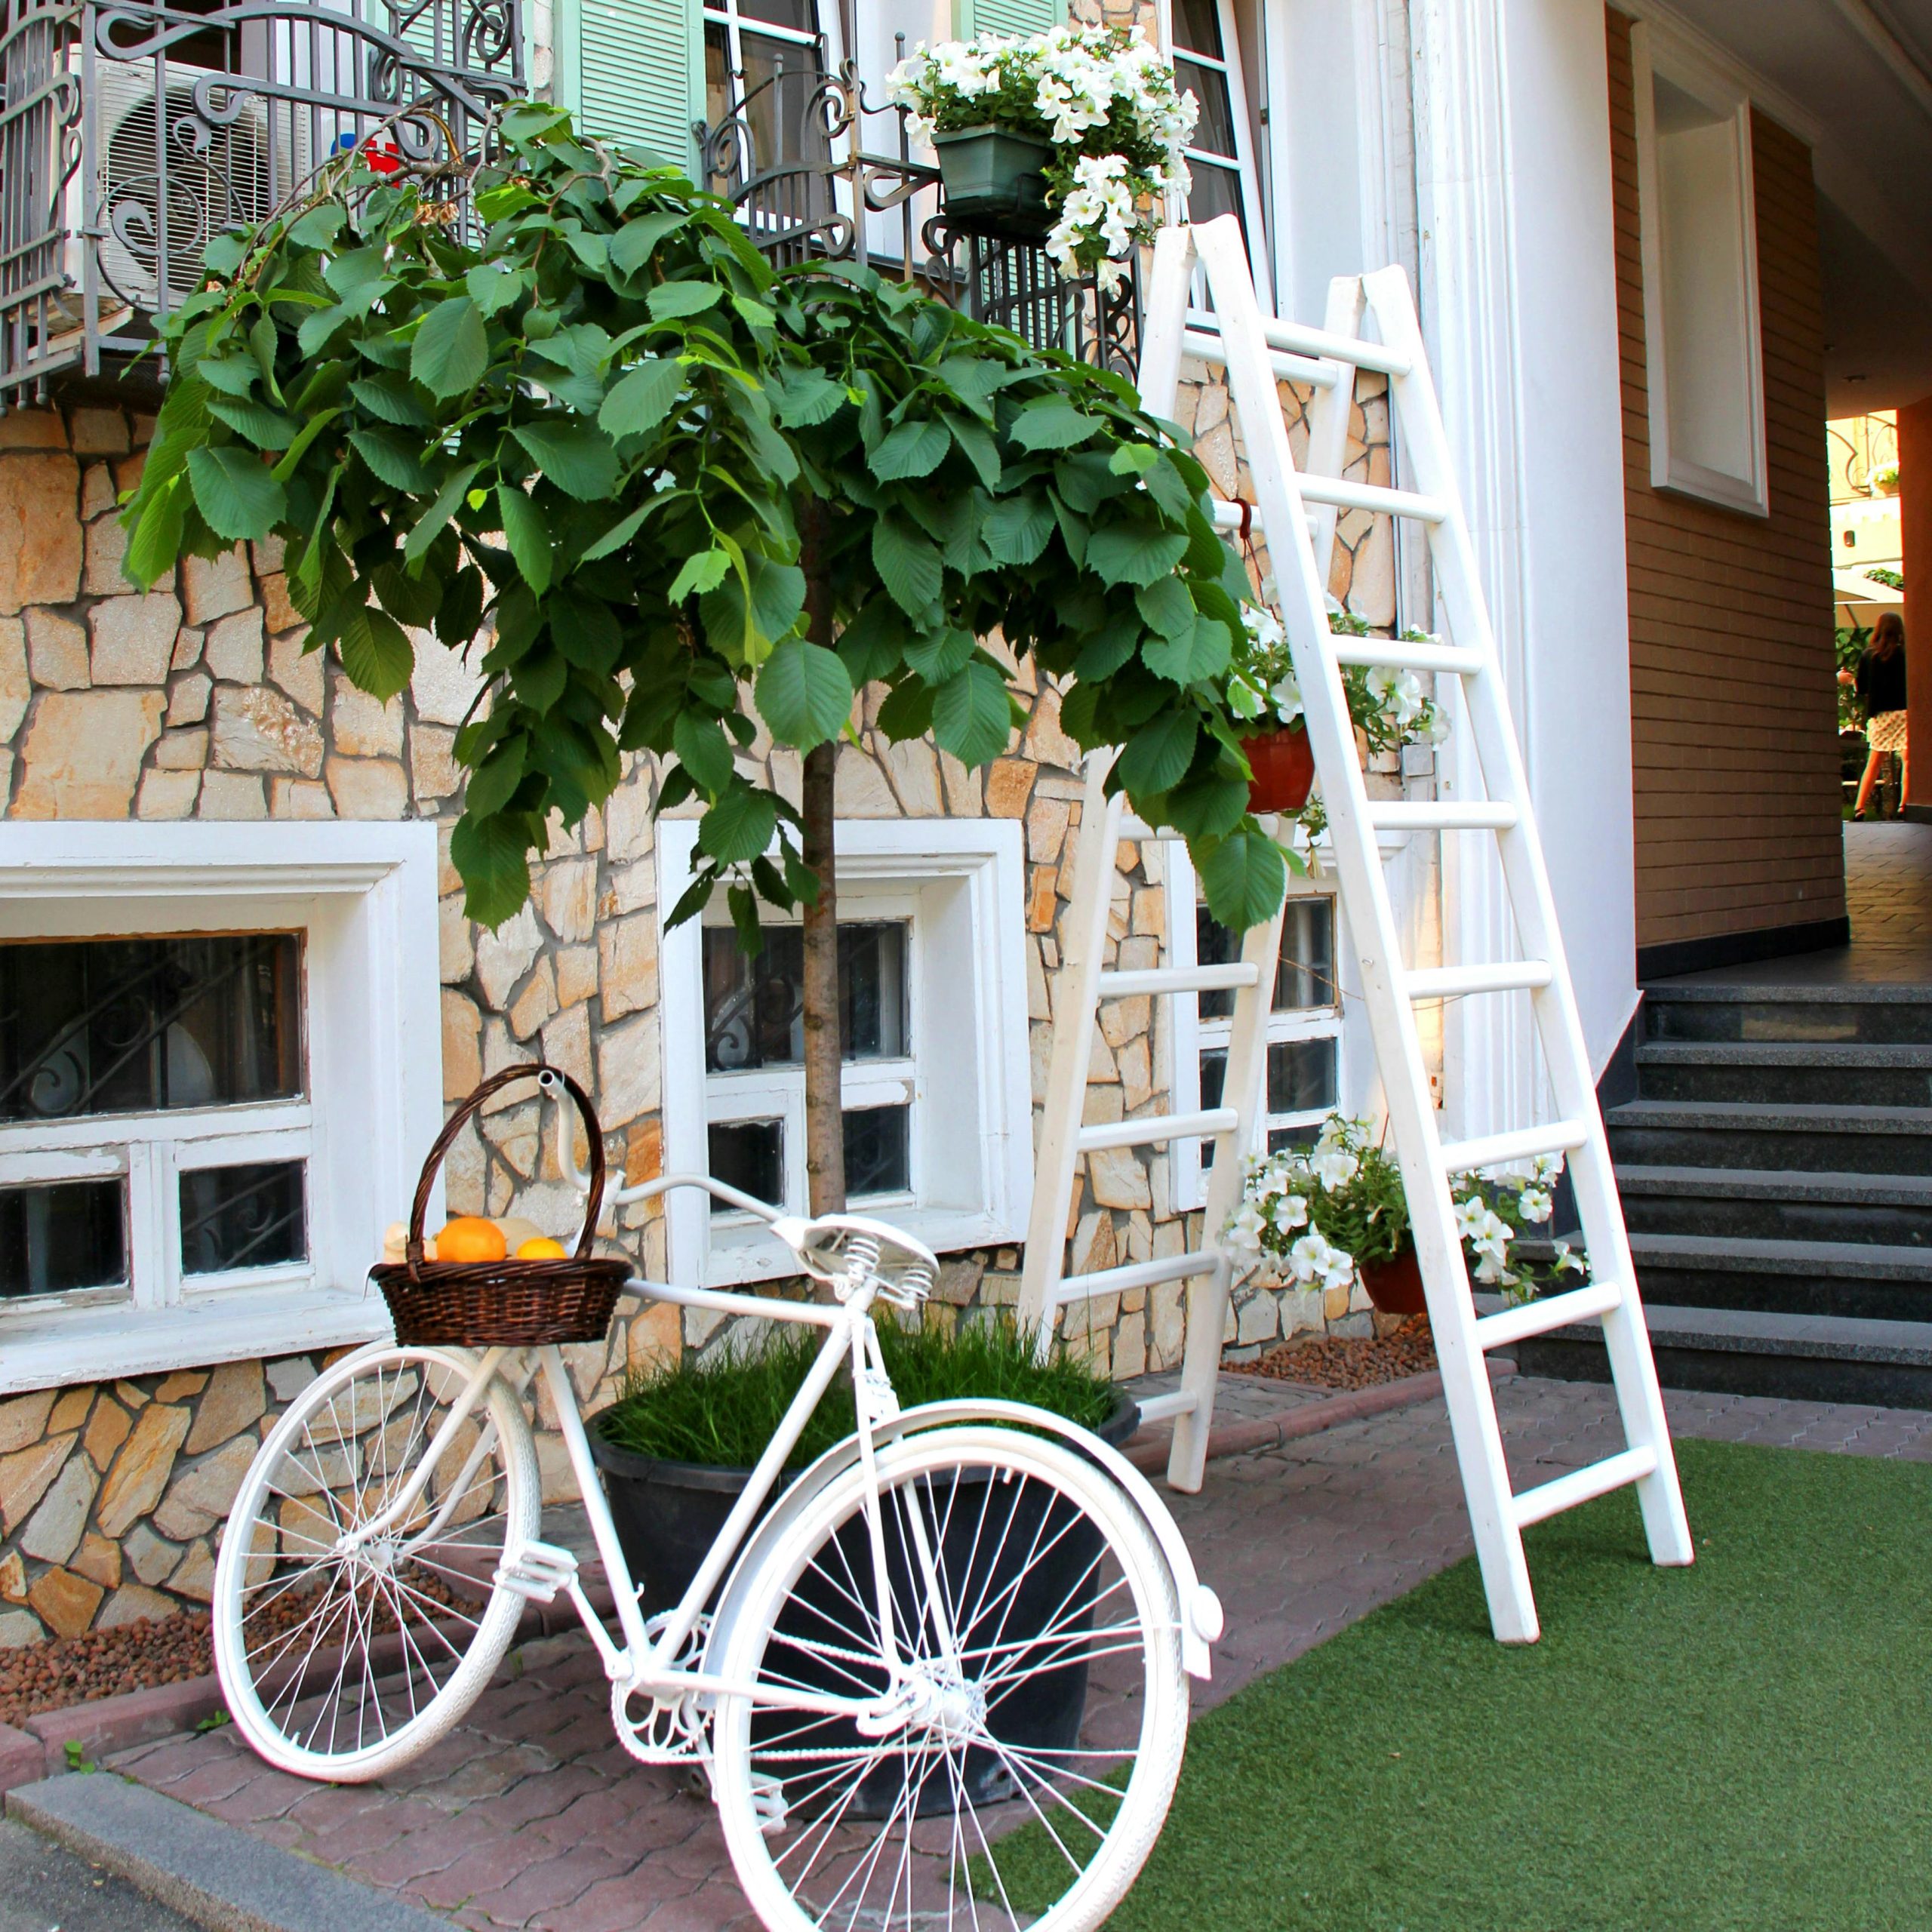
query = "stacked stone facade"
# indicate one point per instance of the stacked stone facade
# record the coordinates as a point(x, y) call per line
point(195, 699)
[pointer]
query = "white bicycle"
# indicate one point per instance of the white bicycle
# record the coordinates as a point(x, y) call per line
point(944, 1678)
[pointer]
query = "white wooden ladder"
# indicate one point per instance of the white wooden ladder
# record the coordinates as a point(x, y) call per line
point(1297, 512)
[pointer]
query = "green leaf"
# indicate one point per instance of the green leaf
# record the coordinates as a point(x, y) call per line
point(155, 543)
point(451, 349)
point(642, 398)
point(908, 564)
point(395, 458)
point(807, 398)
point(491, 856)
point(1052, 425)
point(738, 827)
point(1203, 653)
point(410, 599)
point(804, 694)
point(907, 711)
point(631, 246)
point(977, 443)
point(442, 506)
point(971, 717)
point(1104, 654)
point(941, 657)
point(528, 533)
point(233, 375)
point(703, 571)
point(1019, 528)
point(1133, 553)
point(388, 399)
point(871, 643)
point(1167, 606)
point(318, 226)
point(267, 428)
point(493, 286)
point(1244, 875)
point(670, 300)
point(1158, 755)
point(375, 653)
point(234, 492)
point(778, 595)
point(620, 533)
point(700, 743)
point(581, 461)
point(913, 449)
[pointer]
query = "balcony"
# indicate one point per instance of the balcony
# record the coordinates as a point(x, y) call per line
point(132, 132)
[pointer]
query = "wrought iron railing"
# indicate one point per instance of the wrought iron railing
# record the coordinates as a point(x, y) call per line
point(794, 154)
point(132, 131)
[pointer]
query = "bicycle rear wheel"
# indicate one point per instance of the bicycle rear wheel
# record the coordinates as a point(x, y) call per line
point(343, 1656)
point(1030, 1755)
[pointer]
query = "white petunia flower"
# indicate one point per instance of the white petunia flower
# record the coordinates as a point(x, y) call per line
point(1289, 1212)
point(1334, 1167)
point(1244, 1227)
point(1534, 1203)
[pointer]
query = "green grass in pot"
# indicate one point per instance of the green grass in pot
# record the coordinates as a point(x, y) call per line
point(721, 1410)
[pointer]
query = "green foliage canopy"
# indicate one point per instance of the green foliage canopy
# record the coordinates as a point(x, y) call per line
point(601, 437)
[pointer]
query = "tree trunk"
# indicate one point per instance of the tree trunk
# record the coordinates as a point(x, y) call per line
point(825, 1118)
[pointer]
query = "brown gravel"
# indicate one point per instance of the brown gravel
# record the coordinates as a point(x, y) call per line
point(1333, 1364)
point(103, 1663)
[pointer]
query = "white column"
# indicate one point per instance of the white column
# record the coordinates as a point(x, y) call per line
point(1519, 306)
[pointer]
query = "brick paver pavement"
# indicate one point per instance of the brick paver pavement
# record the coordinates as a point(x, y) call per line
point(530, 1814)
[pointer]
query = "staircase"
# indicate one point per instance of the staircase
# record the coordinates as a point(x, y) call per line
point(1777, 1176)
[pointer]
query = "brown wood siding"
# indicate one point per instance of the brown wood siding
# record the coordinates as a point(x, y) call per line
point(1733, 719)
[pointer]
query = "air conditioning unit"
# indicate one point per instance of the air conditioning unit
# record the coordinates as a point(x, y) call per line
point(154, 150)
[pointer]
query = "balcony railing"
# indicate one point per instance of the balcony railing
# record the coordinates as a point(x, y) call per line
point(795, 153)
point(132, 132)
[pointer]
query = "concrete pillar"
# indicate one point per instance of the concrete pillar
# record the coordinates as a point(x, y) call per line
point(1915, 536)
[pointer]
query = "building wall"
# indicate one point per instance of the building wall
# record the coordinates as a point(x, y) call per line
point(1732, 725)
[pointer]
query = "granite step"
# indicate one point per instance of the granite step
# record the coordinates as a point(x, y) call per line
point(1786, 1072)
point(1752, 1203)
point(1844, 1015)
point(1815, 1139)
point(1863, 1281)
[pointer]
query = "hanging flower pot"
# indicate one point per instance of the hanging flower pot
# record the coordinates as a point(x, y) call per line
point(1283, 763)
point(995, 179)
point(1395, 1285)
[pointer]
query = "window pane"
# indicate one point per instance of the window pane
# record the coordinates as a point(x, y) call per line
point(100, 1026)
point(1198, 25)
point(754, 1010)
point(1215, 945)
point(1213, 1080)
point(1214, 132)
point(1282, 1137)
point(800, 15)
point(1216, 191)
point(1301, 1076)
point(749, 1155)
point(877, 1157)
point(1306, 976)
point(250, 1217)
point(66, 1234)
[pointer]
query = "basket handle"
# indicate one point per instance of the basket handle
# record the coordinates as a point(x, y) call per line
point(546, 1077)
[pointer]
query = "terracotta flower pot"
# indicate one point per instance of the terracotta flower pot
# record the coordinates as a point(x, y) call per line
point(1395, 1285)
point(1283, 766)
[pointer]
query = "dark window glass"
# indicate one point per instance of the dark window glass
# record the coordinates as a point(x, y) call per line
point(749, 1155)
point(1281, 1137)
point(1213, 1082)
point(754, 1009)
point(1306, 976)
point(65, 1235)
point(878, 1159)
point(1214, 131)
point(774, 94)
point(103, 1026)
point(250, 1217)
point(1301, 1076)
point(1197, 26)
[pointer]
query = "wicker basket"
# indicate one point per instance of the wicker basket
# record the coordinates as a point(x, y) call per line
point(509, 1303)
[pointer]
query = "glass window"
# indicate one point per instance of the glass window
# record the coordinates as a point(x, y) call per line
point(1208, 64)
point(877, 1153)
point(754, 1009)
point(108, 1026)
point(249, 1216)
point(749, 1155)
point(67, 1235)
point(763, 59)
point(1306, 976)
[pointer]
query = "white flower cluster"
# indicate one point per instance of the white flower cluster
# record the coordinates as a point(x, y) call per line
point(1102, 91)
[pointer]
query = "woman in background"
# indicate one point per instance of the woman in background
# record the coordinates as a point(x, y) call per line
point(1880, 683)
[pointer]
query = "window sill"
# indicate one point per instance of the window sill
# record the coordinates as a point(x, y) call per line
point(109, 1343)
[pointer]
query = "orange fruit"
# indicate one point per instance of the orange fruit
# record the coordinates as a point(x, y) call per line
point(470, 1237)
point(543, 1248)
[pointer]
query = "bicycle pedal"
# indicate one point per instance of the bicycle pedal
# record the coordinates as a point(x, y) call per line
point(537, 1571)
point(768, 1805)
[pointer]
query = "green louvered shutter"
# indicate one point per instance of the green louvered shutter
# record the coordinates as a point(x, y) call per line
point(1009, 16)
point(633, 70)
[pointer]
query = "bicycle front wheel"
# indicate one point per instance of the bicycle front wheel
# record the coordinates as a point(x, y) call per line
point(1023, 1756)
point(343, 1653)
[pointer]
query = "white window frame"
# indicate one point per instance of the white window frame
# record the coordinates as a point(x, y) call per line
point(1655, 55)
point(971, 1082)
point(363, 897)
point(1192, 1035)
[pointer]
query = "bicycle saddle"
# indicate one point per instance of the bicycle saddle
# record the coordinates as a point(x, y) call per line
point(846, 1251)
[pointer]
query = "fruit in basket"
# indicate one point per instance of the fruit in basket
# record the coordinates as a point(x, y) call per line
point(395, 1244)
point(541, 1248)
point(470, 1237)
point(516, 1230)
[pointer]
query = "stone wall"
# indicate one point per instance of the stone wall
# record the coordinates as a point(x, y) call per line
point(195, 699)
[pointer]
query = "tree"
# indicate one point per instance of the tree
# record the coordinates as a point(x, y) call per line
point(671, 487)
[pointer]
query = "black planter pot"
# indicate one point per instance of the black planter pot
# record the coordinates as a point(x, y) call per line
point(668, 1514)
point(992, 181)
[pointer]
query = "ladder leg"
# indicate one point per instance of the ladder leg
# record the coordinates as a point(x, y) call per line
point(1200, 1373)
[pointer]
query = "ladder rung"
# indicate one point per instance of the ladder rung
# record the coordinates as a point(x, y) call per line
point(1294, 340)
point(1580, 1485)
point(1207, 347)
point(1132, 1275)
point(1444, 815)
point(1457, 659)
point(1372, 496)
point(1144, 1132)
point(1227, 515)
point(1521, 1143)
point(1539, 1317)
point(1158, 1408)
point(1447, 982)
point(1179, 980)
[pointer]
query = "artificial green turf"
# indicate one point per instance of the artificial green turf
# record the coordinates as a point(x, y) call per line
point(1747, 1742)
